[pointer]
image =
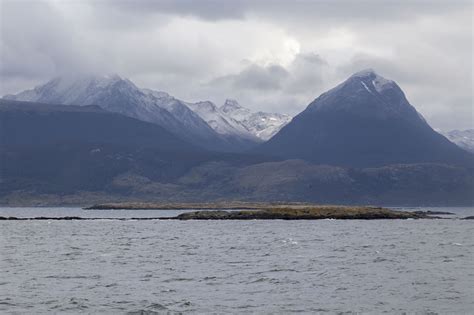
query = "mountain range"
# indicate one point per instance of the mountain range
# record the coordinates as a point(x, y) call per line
point(201, 123)
point(104, 139)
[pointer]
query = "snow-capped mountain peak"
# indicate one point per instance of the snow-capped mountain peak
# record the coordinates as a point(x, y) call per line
point(115, 94)
point(203, 120)
point(367, 93)
point(260, 124)
point(233, 109)
point(364, 121)
point(157, 94)
point(206, 106)
point(231, 105)
point(78, 89)
point(220, 121)
point(233, 119)
point(372, 80)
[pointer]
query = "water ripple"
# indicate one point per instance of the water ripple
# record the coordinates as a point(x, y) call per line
point(171, 267)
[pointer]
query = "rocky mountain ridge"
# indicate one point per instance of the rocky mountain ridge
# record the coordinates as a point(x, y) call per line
point(202, 123)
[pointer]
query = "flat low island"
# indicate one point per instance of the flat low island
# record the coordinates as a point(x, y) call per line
point(267, 211)
point(250, 211)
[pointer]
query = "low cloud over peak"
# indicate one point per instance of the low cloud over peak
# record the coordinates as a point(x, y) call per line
point(269, 55)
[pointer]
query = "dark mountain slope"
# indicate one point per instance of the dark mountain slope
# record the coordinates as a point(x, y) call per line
point(64, 149)
point(365, 121)
point(34, 124)
point(72, 147)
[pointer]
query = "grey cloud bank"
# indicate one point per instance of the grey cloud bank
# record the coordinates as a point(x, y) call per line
point(270, 55)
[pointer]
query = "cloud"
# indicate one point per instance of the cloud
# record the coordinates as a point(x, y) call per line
point(208, 9)
point(270, 55)
point(254, 77)
point(275, 87)
point(432, 63)
point(336, 10)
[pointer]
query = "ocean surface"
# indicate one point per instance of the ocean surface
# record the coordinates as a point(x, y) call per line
point(265, 267)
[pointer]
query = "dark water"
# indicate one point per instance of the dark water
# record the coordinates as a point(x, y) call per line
point(117, 267)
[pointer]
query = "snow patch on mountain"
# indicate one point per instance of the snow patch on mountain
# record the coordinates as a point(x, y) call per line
point(119, 95)
point(220, 121)
point(261, 124)
point(365, 86)
point(234, 119)
point(380, 83)
point(462, 138)
point(203, 120)
point(233, 109)
point(377, 81)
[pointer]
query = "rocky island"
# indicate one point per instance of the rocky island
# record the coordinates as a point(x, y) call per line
point(253, 211)
point(303, 213)
point(267, 211)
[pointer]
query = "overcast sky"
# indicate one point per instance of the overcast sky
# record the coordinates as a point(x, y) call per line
point(269, 55)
